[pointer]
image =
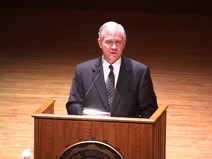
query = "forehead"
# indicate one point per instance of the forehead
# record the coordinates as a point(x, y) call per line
point(113, 34)
point(113, 29)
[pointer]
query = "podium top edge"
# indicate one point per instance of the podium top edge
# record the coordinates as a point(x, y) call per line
point(92, 118)
point(46, 111)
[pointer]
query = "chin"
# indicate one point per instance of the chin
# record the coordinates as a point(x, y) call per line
point(112, 61)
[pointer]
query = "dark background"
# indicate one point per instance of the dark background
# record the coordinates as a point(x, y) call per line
point(172, 6)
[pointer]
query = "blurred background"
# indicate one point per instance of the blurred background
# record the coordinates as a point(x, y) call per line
point(41, 43)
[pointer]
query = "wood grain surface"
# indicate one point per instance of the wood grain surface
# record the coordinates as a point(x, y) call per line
point(40, 49)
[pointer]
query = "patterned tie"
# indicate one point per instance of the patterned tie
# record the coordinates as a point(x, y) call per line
point(110, 86)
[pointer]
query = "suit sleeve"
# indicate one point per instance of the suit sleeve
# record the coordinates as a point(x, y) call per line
point(147, 98)
point(75, 102)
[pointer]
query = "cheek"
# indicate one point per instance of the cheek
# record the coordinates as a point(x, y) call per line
point(100, 45)
point(121, 48)
point(104, 46)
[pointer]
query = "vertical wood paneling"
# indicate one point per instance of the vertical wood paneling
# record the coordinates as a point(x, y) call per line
point(110, 133)
point(159, 138)
point(47, 137)
point(59, 137)
point(74, 132)
point(146, 148)
point(93, 130)
point(84, 130)
point(134, 141)
point(37, 138)
point(163, 134)
point(99, 129)
point(43, 138)
point(122, 138)
point(130, 141)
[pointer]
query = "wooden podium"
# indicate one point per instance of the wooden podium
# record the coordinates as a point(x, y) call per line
point(134, 138)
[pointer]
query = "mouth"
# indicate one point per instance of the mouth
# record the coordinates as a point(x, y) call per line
point(113, 52)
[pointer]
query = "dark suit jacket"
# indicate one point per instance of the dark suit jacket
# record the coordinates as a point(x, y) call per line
point(134, 96)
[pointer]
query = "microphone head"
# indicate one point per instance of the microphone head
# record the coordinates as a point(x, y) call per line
point(26, 154)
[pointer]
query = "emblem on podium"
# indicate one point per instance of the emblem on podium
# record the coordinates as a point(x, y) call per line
point(91, 150)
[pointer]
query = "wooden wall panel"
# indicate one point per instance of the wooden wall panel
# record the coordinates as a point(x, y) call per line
point(134, 138)
point(159, 138)
point(59, 137)
point(122, 138)
point(74, 132)
point(99, 127)
point(37, 137)
point(85, 130)
point(146, 149)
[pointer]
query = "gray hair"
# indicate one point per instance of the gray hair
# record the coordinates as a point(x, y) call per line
point(111, 23)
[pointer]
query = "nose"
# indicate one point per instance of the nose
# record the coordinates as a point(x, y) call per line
point(114, 46)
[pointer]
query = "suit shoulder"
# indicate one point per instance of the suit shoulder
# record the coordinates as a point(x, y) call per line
point(91, 61)
point(87, 64)
point(135, 64)
point(139, 64)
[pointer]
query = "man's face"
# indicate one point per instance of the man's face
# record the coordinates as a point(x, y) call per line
point(112, 45)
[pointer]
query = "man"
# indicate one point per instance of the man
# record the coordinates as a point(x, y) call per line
point(132, 89)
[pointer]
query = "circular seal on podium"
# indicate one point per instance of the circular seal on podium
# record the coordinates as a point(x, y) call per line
point(90, 150)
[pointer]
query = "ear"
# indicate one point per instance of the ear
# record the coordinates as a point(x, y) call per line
point(99, 42)
point(125, 41)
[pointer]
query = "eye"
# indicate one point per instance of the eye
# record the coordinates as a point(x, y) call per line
point(118, 42)
point(108, 42)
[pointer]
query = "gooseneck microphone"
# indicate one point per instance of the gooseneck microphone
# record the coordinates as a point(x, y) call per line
point(89, 89)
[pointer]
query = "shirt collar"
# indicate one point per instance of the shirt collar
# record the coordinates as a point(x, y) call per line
point(115, 64)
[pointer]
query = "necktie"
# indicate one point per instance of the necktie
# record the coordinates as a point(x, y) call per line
point(110, 86)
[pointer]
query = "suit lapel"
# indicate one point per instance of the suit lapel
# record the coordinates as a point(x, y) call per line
point(100, 83)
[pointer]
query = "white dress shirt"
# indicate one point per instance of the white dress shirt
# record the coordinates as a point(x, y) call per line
point(106, 69)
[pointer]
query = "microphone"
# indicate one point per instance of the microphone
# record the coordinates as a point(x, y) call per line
point(89, 89)
point(26, 154)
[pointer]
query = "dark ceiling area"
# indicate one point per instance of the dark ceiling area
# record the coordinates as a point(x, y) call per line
point(171, 6)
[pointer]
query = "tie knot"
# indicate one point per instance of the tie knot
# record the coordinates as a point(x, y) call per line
point(111, 67)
